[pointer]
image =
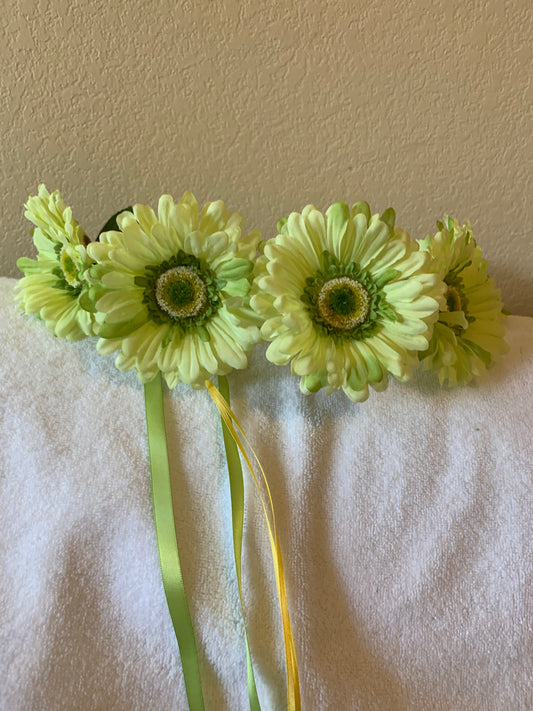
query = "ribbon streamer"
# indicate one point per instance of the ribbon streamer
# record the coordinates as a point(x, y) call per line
point(236, 484)
point(228, 417)
point(167, 542)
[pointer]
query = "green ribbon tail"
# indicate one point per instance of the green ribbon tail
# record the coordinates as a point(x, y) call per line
point(167, 542)
point(236, 484)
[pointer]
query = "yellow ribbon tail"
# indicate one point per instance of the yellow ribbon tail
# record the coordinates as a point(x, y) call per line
point(231, 422)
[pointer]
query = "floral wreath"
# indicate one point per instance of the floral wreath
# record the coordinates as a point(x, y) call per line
point(346, 297)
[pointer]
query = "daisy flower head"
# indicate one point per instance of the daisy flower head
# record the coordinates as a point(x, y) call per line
point(172, 289)
point(55, 285)
point(468, 336)
point(346, 298)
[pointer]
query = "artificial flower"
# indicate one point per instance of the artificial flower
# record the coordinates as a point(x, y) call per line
point(55, 285)
point(346, 298)
point(468, 336)
point(173, 291)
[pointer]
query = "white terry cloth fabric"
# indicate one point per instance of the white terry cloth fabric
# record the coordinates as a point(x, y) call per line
point(406, 524)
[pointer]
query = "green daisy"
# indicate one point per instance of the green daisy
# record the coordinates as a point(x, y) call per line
point(173, 291)
point(346, 298)
point(468, 336)
point(55, 285)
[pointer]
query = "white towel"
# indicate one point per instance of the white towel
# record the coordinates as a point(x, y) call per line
point(406, 524)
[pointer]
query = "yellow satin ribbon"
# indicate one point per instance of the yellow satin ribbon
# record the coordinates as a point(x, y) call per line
point(293, 684)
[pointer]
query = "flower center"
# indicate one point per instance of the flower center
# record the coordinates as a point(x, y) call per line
point(181, 293)
point(453, 299)
point(343, 303)
point(69, 268)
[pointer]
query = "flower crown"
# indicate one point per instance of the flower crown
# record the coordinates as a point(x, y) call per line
point(346, 297)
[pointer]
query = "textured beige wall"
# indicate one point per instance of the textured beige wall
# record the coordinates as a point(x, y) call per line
point(425, 106)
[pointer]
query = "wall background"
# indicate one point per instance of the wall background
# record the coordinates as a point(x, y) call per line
point(425, 106)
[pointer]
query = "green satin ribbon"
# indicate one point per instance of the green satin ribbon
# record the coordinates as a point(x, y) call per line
point(167, 542)
point(236, 484)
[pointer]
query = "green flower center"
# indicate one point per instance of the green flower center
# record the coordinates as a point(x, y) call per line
point(453, 299)
point(69, 268)
point(343, 303)
point(458, 317)
point(181, 293)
